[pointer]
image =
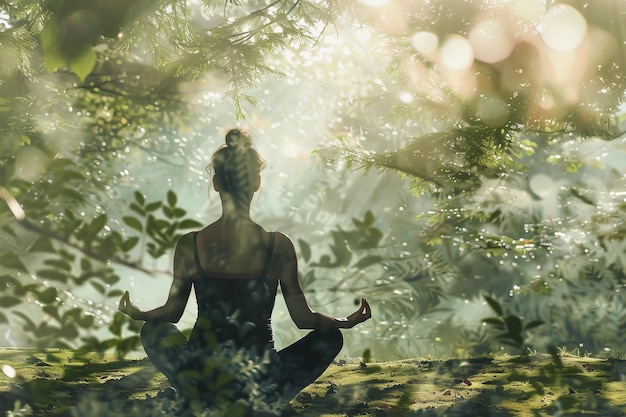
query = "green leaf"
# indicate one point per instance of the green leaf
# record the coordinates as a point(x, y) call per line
point(111, 279)
point(367, 261)
point(171, 198)
point(85, 264)
point(132, 222)
point(69, 175)
point(189, 224)
point(140, 198)
point(3, 318)
point(48, 295)
point(61, 264)
point(9, 301)
point(52, 57)
point(67, 255)
point(178, 213)
point(59, 164)
point(510, 340)
point(494, 321)
point(169, 212)
point(305, 250)
point(52, 274)
point(7, 281)
point(43, 244)
point(73, 195)
point(115, 293)
point(93, 344)
point(534, 324)
point(495, 306)
point(69, 332)
point(513, 324)
point(10, 261)
point(85, 320)
point(52, 310)
point(137, 209)
point(127, 345)
point(153, 206)
point(84, 62)
point(99, 287)
point(130, 243)
point(116, 325)
point(368, 219)
point(24, 289)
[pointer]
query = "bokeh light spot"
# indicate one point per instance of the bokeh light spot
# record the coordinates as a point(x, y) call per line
point(531, 10)
point(542, 185)
point(426, 43)
point(456, 53)
point(563, 28)
point(374, 3)
point(490, 41)
point(9, 371)
point(405, 97)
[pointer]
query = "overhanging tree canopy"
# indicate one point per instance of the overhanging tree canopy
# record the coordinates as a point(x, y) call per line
point(474, 92)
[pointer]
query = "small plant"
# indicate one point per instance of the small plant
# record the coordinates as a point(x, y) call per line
point(20, 410)
point(510, 327)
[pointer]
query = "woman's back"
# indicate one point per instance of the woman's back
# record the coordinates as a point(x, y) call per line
point(232, 249)
point(235, 266)
point(234, 304)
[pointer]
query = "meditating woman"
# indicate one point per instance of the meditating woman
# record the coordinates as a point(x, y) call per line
point(235, 267)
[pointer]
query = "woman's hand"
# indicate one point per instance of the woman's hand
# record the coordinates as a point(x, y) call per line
point(362, 314)
point(128, 308)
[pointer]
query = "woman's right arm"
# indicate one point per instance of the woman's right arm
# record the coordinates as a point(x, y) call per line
point(302, 315)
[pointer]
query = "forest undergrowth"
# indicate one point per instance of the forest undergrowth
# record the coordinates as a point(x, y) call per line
point(56, 382)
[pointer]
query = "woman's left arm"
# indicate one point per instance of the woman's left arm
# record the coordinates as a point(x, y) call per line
point(174, 307)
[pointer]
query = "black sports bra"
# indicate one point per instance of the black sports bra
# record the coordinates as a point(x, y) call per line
point(236, 311)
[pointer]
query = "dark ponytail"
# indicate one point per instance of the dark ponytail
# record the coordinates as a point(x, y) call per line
point(236, 166)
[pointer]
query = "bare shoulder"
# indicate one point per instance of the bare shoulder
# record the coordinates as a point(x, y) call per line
point(283, 243)
point(185, 243)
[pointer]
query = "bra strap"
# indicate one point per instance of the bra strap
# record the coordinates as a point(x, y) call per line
point(196, 258)
point(268, 256)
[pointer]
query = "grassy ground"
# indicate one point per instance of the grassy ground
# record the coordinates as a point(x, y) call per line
point(65, 383)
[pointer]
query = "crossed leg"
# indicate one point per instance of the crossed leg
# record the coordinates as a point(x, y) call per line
point(301, 363)
point(165, 346)
point(305, 360)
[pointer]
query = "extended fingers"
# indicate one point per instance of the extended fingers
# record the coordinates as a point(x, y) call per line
point(364, 305)
point(124, 301)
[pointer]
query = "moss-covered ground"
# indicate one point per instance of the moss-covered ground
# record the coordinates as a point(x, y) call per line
point(66, 383)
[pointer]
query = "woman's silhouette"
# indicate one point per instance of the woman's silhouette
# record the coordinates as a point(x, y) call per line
point(235, 267)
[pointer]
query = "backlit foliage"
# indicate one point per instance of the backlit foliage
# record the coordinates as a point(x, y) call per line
point(507, 135)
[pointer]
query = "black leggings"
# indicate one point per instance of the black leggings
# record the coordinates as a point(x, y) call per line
point(301, 363)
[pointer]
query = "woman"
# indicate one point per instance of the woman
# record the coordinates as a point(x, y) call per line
point(235, 267)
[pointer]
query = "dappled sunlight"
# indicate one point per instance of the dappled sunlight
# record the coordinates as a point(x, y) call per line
point(491, 41)
point(563, 28)
point(458, 163)
point(456, 53)
point(9, 371)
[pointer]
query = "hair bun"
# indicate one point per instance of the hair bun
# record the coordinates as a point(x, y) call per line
point(238, 140)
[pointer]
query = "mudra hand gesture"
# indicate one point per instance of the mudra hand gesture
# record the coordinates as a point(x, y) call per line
point(362, 314)
point(128, 308)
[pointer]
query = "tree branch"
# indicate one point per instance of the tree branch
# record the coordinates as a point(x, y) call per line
point(85, 251)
